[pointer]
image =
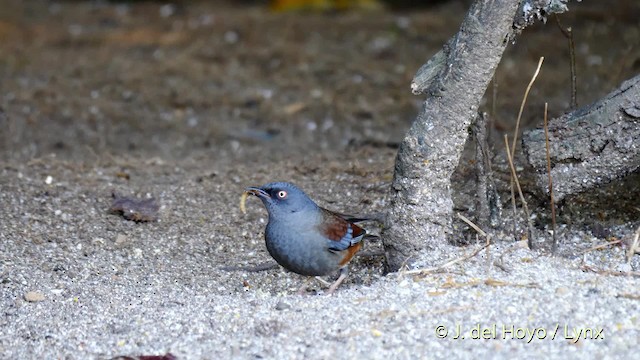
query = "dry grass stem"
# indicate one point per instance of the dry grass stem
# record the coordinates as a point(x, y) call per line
point(447, 264)
point(553, 203)
point(568, 33)
point(479, 231)
point(524, 101)
point(634, 247)
point(610, 272)
point(601, 246)
point(474, 226)
point(524, 202)
point(515, 140)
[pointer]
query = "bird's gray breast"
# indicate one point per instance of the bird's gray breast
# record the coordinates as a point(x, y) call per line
point(298, 246)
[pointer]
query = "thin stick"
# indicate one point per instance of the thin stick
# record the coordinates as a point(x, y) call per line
point(609, 272)
point(403, 267)
point(512, 248)
point(568, 33)
point(494, 97)
point(628, 296)
point(488, 200)
point(447, 264)
point(479, 131)
point(455, 261)
point(481, 232)
point(635, 246)
point(601, 246)
point(553, 203)
point(513, 205)
point(524, 100)
point(515, 140)
point(524, 202)
point(474, 226)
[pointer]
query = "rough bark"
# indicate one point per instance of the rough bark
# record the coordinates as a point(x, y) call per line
point(590, 146)
point(421, 206)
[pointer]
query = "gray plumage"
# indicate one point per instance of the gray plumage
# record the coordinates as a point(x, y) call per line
point(303, 237)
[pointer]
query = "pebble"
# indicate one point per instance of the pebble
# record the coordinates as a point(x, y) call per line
point(33, 296)
point(281, 305)
point(121, 239)
point(562, 290)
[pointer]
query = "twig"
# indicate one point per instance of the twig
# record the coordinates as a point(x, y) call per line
point(568, 33)
point(518, 245)
point(474, 226)
point(515, 140)
point(513, 205)
point(517, 182)
point(553, 203)
point(488, 200)
point(609, 272)
point(524, 100)
point(635, 246)
point(494, 97)
point(403, 267)
point(628, 296)
point(498, 283)
point(447, 264)
point(601, 246)
point(479, 231)
point(479, 131)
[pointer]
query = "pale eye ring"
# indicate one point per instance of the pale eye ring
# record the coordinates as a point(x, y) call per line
point(282, 194)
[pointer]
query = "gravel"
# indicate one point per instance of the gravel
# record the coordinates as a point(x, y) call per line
point(78, 282)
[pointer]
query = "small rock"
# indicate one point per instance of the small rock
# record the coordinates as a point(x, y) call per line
point(133, 209)
point(121, 239)
point(281, 305)
point(33, 296)
point(624, 268)
point(562, 290)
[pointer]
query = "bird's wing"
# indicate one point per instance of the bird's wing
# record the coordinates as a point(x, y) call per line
point(350, 218)
point(377, 217)
point(341, 233)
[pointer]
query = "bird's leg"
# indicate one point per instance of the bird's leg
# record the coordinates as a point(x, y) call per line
point(343, 275)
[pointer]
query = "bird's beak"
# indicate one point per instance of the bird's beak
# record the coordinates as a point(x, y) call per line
point(257, 192)
point(263, 195)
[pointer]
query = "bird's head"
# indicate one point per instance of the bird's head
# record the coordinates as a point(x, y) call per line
point(282, 199)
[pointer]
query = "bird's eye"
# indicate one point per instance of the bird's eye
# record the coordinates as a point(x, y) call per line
point(282, 194)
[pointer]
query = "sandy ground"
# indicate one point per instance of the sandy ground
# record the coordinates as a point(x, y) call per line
point(192, 103)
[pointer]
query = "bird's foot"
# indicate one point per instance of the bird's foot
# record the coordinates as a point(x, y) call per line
point(343, 275)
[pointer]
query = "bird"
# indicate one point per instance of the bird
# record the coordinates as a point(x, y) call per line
point(305, 238)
